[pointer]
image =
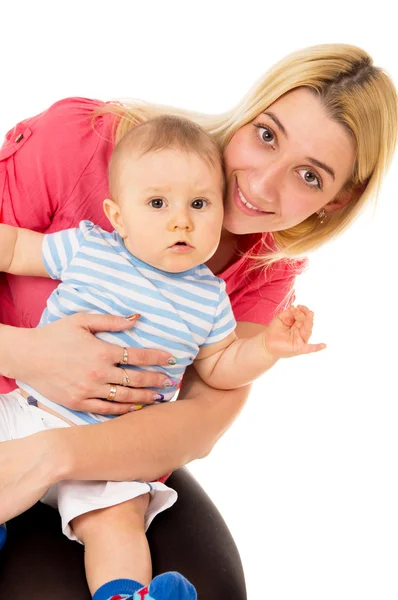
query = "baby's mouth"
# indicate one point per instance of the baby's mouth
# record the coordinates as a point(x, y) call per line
point(181, 243)
point(181, 246)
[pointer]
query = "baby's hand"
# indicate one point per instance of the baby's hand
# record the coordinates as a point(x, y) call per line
point(288, 334)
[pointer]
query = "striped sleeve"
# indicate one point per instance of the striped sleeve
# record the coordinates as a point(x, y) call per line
point(224, 321)
point(60, 248)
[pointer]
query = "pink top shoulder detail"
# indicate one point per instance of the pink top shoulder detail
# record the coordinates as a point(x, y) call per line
point(53, 174)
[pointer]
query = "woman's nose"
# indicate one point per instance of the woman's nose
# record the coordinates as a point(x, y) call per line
point(265, 183)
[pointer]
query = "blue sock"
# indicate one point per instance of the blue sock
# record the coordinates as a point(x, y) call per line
point(168, 586)
point(3, 535)
point(118, 589)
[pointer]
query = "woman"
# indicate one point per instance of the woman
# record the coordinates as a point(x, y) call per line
point(303, 151)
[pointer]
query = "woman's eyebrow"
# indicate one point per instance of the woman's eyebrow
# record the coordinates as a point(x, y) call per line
point(277, 122)
point(314, 161)
point(321, 165)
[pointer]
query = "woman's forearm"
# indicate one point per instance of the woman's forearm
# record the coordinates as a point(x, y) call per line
point(9, 343)
point(149, 443)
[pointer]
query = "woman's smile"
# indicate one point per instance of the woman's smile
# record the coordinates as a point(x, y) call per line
point(292, 161)
point(245, 206)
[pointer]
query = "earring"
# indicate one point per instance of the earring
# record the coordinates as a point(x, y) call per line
point(322, 216)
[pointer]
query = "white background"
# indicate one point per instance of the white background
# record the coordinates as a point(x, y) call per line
point(306, 478)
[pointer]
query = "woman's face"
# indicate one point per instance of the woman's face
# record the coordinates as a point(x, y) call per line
point(290, 162)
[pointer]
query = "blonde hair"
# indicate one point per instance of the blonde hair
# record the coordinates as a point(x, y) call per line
point(160, 133)
point(356, 93)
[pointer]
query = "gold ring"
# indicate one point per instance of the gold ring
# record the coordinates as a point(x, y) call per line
point(126, 378)
point(112, 392)
point(125, 358)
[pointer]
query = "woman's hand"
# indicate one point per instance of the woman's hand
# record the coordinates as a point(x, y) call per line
point(67, 363)
point(26, 473)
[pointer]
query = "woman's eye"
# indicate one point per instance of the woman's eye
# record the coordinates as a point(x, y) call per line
point(157, 203)
point(266, 134)
point(310, 178)
point(199, 203)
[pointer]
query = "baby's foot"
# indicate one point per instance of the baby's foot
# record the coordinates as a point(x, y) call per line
point(168, 586)
point(3, 535)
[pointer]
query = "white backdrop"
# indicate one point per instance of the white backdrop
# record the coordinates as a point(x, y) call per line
point(306, 478)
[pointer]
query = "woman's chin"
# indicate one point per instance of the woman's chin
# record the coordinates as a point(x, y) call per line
point(238, 225)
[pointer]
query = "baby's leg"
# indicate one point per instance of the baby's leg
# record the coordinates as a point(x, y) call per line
point(115, 543)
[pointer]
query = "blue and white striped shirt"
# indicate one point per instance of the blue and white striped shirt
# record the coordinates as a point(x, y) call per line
point(180, 312)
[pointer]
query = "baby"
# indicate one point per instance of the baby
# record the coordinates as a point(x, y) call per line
point(166, 207)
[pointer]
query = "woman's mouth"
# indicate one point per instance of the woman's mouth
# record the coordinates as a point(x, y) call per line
point(246, 206)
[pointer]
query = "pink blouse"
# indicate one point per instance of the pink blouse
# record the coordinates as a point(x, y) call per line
point(53, 174)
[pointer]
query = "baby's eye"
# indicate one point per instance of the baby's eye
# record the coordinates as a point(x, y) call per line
point(157, 203)
point(199, 203)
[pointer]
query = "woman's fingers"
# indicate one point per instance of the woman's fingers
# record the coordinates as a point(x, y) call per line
point(134, 378)
point(97, 323)
point(102, 407)
point(83, 366)
point(140, 356)
point(136, 356)
point(121, 394)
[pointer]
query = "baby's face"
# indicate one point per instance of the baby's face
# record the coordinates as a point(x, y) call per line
point(171, 208)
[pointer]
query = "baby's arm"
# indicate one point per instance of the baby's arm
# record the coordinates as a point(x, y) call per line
point(21, 251)
point(235, 362)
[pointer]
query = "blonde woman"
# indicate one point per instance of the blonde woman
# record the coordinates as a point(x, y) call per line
point(303, 152)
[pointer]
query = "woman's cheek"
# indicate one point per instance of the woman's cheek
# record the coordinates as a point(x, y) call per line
point(297, 207)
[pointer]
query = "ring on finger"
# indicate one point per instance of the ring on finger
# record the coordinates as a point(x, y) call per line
point(126, 378)
point(125, 358)
point(112, 392)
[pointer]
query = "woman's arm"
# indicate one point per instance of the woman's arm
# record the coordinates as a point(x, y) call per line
point(21, 251)
point(144, 445)
point(154, 441)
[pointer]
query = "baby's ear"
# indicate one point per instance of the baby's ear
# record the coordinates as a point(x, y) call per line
point(112, 212)
point(349, 194)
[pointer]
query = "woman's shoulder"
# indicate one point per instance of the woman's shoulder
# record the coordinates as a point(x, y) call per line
point(67, 108)
point(49, 153)
point(68, 122)
point(68, 119)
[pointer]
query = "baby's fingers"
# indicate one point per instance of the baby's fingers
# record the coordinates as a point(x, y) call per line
point(305, 310)
point(306, 322)
point(309, 348)
point(287, 317)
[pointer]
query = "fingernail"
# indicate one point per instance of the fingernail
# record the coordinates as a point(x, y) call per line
point(172, 361)
point(135, 407)
point(132, 317)
point(168, 383)
point(158, 397)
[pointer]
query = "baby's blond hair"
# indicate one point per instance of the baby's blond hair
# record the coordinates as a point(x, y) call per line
point(160, 133)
